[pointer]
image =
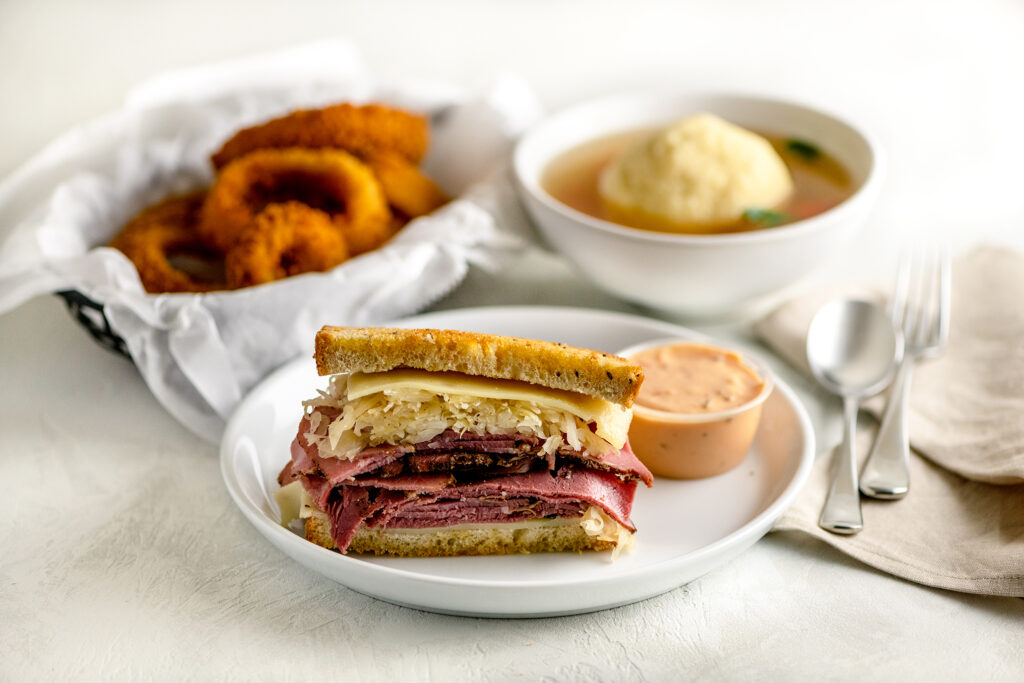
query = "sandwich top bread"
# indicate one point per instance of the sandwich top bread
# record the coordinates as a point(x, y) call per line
point(558, 366)
point(440, 442)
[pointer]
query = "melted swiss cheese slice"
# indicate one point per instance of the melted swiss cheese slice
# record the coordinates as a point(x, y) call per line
point(611, 420)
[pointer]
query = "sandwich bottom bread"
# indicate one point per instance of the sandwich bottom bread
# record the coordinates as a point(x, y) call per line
point(464, 539)
point(438, 442)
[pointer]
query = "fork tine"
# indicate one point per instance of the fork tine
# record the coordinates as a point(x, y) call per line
point(917, 298)
point(898, 303)
point(931, 299)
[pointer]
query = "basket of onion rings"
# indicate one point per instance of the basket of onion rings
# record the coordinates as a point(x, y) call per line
point(208, 227)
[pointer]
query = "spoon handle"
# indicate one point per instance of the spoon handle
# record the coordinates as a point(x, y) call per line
point(841, 514)
point(886, 474)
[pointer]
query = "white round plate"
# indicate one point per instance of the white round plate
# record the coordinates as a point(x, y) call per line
point(685, 528)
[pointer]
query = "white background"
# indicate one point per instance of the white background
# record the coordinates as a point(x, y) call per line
point(121, 555)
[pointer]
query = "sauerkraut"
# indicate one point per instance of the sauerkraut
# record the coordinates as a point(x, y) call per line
point(341, 428)
point(598, 524)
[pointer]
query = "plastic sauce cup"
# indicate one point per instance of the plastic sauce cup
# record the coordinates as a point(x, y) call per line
point(694, 445)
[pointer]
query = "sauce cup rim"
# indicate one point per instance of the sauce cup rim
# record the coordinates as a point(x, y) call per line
point(759, 366)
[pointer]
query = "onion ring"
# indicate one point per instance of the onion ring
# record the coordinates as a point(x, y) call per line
point(327, 179)
point(156, 234)
point(285, 239)
point(407, 189)
point(362, 130)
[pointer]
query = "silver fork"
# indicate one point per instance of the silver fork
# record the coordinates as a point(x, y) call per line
point(920, 307)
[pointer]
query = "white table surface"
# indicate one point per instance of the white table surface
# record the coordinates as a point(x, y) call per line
point(121, 555)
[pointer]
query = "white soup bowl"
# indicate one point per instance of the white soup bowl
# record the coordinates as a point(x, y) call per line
point(702, 276)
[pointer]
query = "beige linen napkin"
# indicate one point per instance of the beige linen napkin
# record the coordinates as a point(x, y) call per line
point(961, 527)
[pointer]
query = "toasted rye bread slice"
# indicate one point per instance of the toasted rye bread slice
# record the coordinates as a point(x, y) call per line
point(451, 541)
point(558, 366)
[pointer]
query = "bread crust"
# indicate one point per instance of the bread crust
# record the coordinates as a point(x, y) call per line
point(454, 541)
point(548, 364)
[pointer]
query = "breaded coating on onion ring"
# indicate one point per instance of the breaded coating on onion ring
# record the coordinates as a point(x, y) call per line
point(408, 191)
point(159, 232)
point(362, 130)
point(327, 179)
point(285, 239)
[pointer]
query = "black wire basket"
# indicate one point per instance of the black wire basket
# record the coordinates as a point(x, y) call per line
point(90, 315)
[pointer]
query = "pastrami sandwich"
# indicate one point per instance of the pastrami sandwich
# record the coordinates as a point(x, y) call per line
point(438, 442)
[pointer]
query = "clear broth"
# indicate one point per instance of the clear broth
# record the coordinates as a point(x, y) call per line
point(819, 181)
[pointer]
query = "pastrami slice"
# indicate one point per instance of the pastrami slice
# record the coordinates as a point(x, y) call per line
point(511, 498)
point(306, 458)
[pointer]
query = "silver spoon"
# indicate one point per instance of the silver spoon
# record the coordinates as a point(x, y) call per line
point(853, 351)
